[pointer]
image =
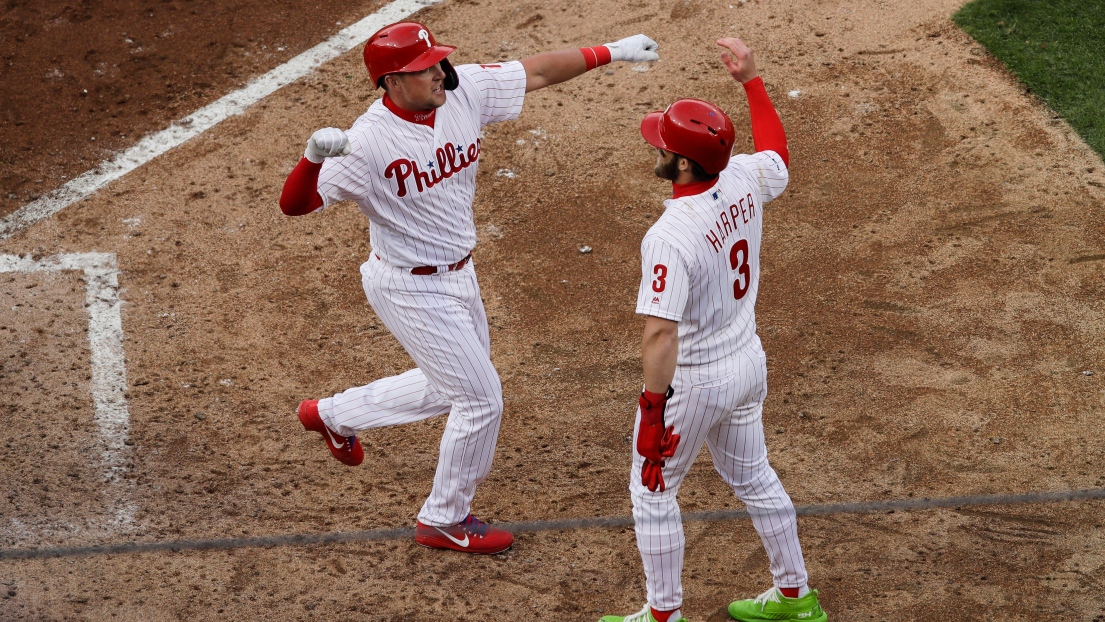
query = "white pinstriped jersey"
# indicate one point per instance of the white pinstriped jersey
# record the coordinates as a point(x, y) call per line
point(416, 183)
point(701, 260)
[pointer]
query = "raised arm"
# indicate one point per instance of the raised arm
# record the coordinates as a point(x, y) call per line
point(767, 128)
point(300, 194)
point(551, 68)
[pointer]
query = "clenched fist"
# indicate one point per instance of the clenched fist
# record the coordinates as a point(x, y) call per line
point(329, 142)
point(635, 49)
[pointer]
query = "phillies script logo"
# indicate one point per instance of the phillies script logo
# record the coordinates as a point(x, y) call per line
point(451, 159)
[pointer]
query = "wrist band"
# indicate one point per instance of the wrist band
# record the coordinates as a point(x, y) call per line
point(654, 400)
point(596, 56)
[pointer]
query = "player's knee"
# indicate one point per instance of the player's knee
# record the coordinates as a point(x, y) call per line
point(493, 397)
point(745, 474)
point(495, 405)
point(762, 490)
point(488, 403)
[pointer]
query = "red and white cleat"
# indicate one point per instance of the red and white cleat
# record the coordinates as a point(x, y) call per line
point(468, 536)
point(347, 449)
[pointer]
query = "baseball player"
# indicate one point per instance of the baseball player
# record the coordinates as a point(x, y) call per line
point(704, 368)
point(410, 164)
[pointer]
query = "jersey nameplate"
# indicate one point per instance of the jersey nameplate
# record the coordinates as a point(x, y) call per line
point(727, 222)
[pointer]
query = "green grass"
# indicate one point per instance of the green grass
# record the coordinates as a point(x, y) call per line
point(1056, 47)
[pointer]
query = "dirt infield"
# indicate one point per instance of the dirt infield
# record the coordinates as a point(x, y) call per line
point(931, 307)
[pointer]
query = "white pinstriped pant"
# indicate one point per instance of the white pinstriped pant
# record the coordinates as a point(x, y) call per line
point(440, 320)
point(726, 413)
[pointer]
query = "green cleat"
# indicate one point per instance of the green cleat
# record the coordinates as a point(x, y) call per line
point(644, 615)
point(772, 605)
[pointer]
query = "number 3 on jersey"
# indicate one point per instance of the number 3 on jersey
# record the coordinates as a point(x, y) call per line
point(660, 271)
point(738, 260)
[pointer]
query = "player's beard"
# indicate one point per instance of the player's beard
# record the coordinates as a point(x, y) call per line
point(668, 170)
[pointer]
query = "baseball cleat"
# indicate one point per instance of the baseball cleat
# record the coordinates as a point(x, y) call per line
point(644, 615)
point(468, 536)
point(772, 605)
point(347, 449)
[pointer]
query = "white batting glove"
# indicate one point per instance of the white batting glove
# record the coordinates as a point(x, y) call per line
point(635, 49)
point(329, 142)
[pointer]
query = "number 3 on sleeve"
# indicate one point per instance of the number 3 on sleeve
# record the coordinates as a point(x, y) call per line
point(661, 273)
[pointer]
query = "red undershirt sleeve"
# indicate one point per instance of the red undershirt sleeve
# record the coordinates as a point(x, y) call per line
point(300, 195)
point(767, 128)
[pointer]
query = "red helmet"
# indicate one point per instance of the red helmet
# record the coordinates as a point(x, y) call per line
point(406, 47)
point(694, 129)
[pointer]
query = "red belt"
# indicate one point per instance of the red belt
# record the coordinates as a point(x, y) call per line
point(428, 270)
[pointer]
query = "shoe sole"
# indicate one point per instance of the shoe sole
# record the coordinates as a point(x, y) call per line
point(446, 545)
point(824, 617)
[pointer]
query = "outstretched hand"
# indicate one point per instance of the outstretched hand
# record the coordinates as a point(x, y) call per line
point(739, 60)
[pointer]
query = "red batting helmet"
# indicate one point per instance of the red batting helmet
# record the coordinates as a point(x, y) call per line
point(403, 48)
point(694, 129)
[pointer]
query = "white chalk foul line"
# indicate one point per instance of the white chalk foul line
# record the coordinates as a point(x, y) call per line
point(105, 340)
point(207, 117)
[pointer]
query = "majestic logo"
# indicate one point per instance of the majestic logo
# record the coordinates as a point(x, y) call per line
point(461, 543)
point(451, 159)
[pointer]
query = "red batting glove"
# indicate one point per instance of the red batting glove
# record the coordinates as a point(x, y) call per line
point(652, 475)
point(650, 434)
point(669, 442)
point(655, 441)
